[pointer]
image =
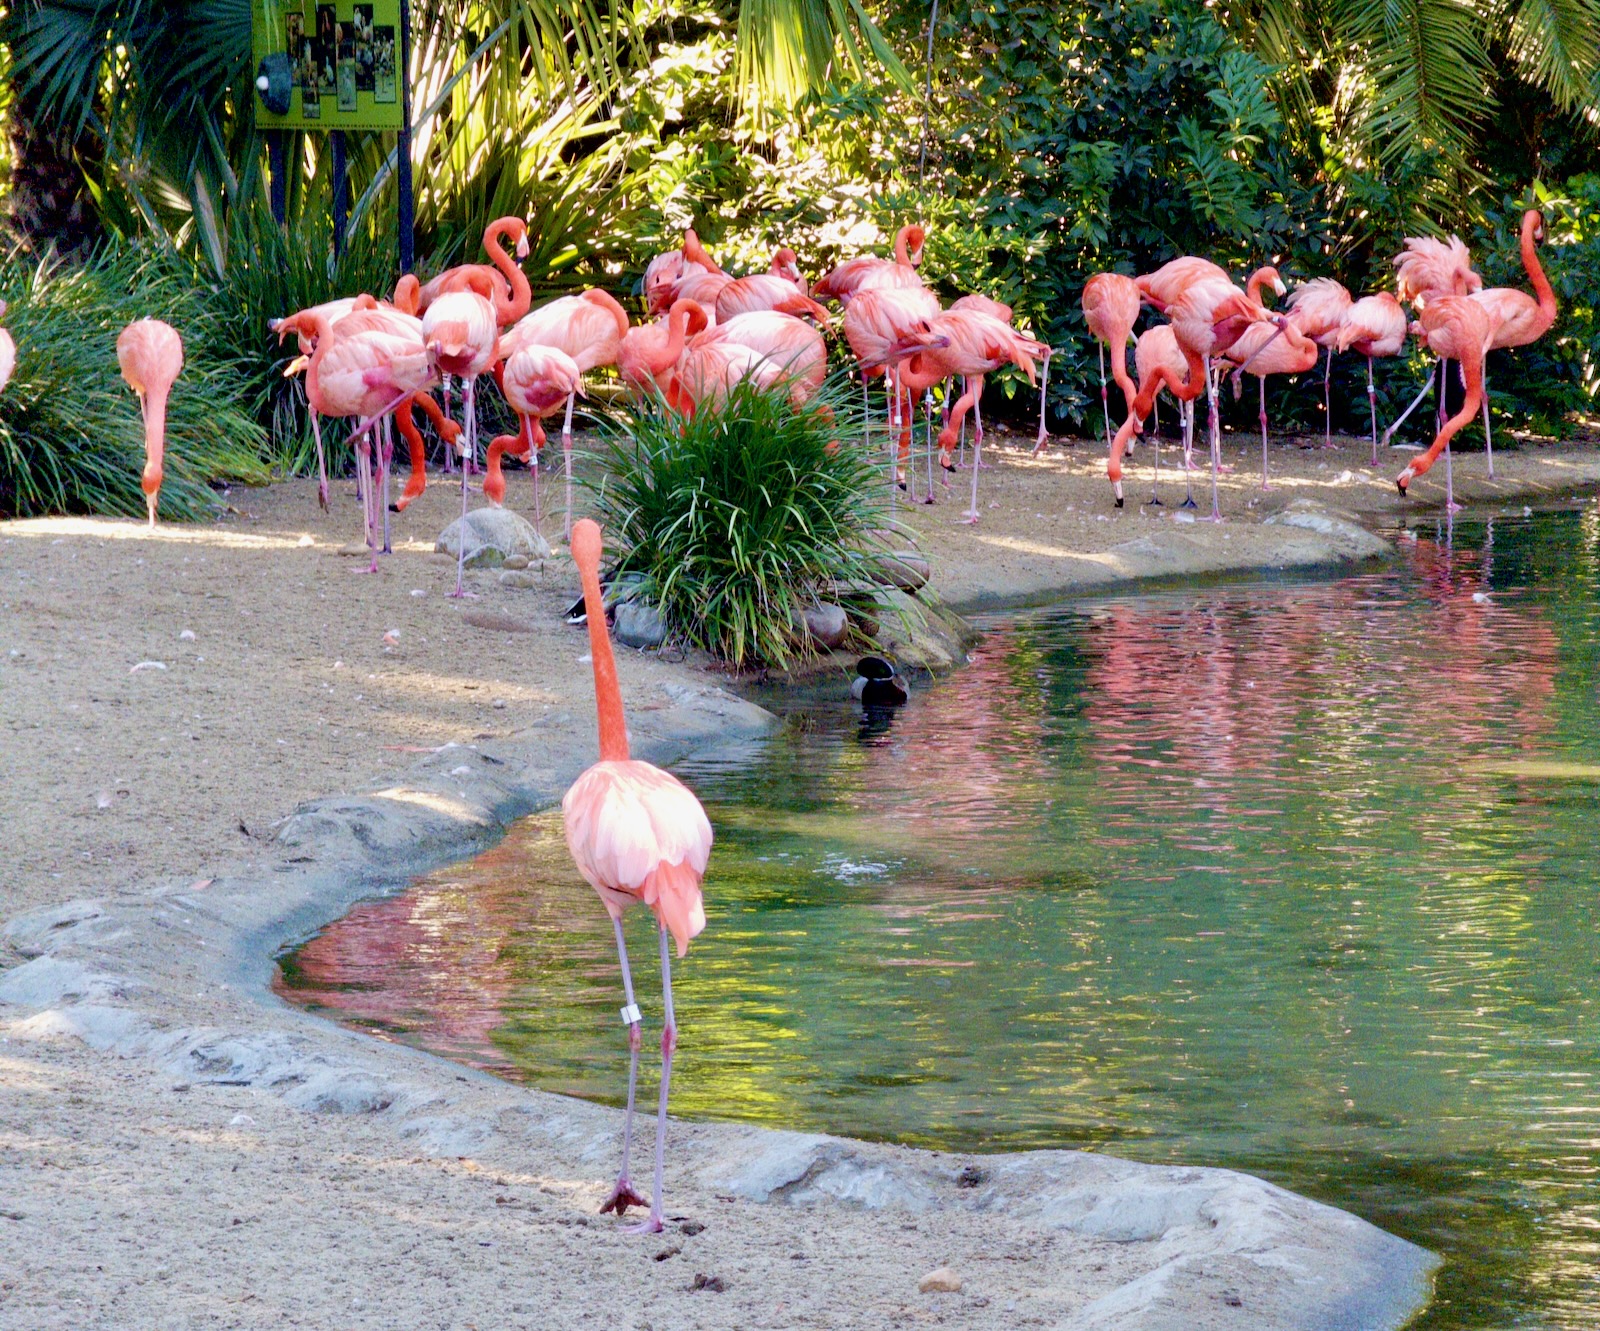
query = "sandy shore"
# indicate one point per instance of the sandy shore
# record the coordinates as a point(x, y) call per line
point(170, 698)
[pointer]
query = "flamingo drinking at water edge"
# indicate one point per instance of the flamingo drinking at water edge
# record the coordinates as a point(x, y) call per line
point(151, 356)
point(637, 834)
point(1455, 328)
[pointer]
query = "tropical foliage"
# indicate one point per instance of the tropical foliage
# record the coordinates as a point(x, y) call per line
point(734, 522)
point(71, 437)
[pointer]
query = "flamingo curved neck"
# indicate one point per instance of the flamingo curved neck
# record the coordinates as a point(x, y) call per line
point(607, 692)
point(1530, 261)
point(511, 310)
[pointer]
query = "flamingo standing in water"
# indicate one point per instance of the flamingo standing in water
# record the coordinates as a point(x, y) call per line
point(1517, 319)
point(462, 339)
point(151, 356)
point(1317, 310)
point(1110, 309)
point(8, 352)
point(588, 327)
point(1375, 326)
point(1454, 328)
point(637, 834)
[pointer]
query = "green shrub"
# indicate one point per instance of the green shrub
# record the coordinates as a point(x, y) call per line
point(71, 436)
point(737, 520)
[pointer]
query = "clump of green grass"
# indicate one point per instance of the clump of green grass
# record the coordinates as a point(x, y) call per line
point(737, 520)
point(71, 437)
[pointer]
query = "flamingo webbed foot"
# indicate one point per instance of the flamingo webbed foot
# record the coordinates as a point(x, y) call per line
point(622, 1197)
point(652, 1224)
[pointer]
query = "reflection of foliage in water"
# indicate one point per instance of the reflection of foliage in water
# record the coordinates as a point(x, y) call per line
point(1235, 876)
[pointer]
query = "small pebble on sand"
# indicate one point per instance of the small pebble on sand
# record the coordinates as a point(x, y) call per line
point(940, 1281)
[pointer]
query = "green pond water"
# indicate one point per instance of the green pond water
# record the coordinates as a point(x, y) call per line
point(1294, 877)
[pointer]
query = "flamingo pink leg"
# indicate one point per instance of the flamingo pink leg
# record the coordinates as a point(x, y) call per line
point(1415, 403)
point(566, 453)
point(1327, 404)
point(1262, 380)
point(669, 1042)
point(385, 460)
point(470, 439)
point(1215, 430)
point(1105, 405)
point(1187, 412)
point(1372, 405)
point(975, 388)
point(1044, 389)
point(322, 465)
point(623, 1195)
point(927, 439)
point(1488, 433)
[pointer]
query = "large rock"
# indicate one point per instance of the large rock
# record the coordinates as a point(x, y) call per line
point(906, 570)
point(1343, 531)
point(637, 623)
point(828, 624)
point(492, 536)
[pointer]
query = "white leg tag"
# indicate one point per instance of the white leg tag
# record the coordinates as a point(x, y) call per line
point(631, 1015)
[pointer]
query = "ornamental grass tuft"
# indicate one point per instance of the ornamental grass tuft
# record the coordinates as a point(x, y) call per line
point(736, 521)
point(71, 436)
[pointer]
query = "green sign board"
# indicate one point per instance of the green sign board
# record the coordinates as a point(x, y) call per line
point(327, 66)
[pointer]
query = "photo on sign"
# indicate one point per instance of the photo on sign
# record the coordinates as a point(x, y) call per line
point(364, 54)
point(347, 75)
point(294, 35)
point(383, 80)
point(326, 46)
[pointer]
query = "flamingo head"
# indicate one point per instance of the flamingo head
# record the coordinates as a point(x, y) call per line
point(915, 236)
point(785, 263)
point(522, 241)
point(1533, 219)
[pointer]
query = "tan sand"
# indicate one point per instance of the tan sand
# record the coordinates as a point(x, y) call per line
point(170, 697)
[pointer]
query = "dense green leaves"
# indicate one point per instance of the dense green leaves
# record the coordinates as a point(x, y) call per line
point(735, 521)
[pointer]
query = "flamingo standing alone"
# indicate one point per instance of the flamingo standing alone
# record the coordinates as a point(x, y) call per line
point(151, 356)
point(1375, 326)
point(1110, 309)
point(1517, 319)
point(637, 834)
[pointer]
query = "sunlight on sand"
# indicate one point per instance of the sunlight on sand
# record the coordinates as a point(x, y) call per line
point(1025, 547)
point(126, 529)
point(441, 804)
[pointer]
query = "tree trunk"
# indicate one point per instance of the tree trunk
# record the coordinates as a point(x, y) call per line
point(48, 202)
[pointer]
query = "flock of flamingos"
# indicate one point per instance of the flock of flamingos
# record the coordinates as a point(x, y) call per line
point(636, 833)
point(375, 361)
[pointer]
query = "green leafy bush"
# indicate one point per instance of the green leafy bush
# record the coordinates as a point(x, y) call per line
point(71, 436)
point(738, 519)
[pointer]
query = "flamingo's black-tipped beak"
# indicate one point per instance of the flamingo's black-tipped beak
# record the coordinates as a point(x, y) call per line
point(1401, 485)
point(1119, 501)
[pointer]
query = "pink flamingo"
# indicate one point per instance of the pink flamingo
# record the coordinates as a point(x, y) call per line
point(1454, 328)
point(1158, 346)
point(763, 291)
point(637, 834)
point(1374, 326)
point(791, 345)
point(8, 352)
point(1425, 270)
point(649, 351)
point(588, 327)
point(462, 339)
point(1110, 309)
point(1209, 314)
point(875, 320)
point(1260, 350)
point(666, 271)
point(975, 345)
point(1317, 309)
point(841, 284)
point(1517, 319)
point(365, 367)
point(536, 380)
point(151, 356)
point(501, 282)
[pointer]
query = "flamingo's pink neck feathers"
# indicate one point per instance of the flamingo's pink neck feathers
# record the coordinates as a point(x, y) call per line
point(607, 692)
point(1531, 221)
